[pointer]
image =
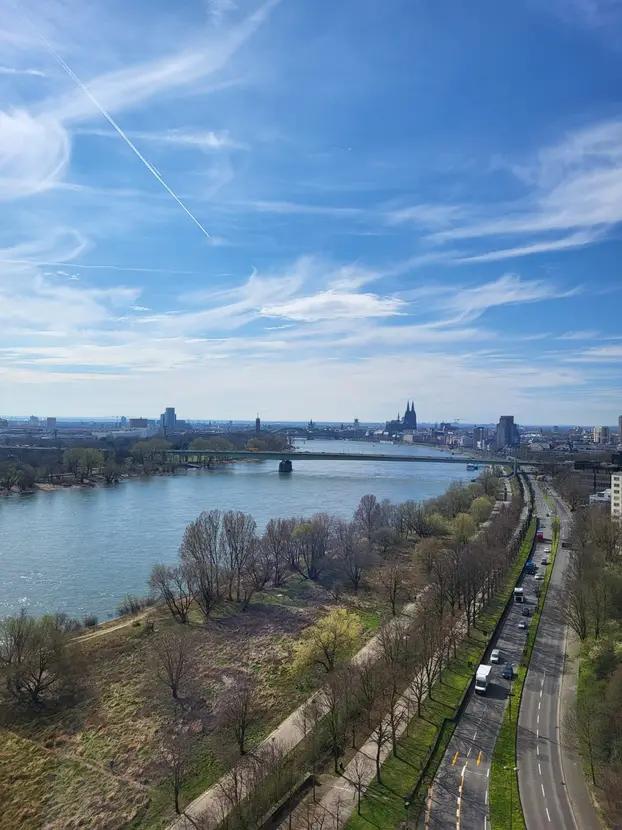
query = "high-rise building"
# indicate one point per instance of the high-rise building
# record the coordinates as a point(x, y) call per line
point(138, 423)
point(619, 429)
point(257, 425)
point(600, 435)
point(507, 433)
point(168, 419)
point(50, 424)
point(616, 496)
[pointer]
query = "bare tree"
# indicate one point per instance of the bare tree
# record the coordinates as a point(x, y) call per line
point(310, 545)
point(201, 553)
point(381, 734)
point(35, 659)
point(172, 659)
point(239, 540)
point(332, 697)
point(350, 553)
point(393, 584)
point(358, 769)
point(277, 540)
point(368, 515)
point(175, 755)
point(239, 710)
point(175, 586)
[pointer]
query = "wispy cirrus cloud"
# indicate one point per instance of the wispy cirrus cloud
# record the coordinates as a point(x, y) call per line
point(26, 71)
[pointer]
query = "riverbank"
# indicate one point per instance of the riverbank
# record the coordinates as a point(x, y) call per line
point(86, 547)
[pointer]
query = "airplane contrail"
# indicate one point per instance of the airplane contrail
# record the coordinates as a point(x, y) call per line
point(63, 64)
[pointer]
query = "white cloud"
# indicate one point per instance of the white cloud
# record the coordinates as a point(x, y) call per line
point(13, 70)
point(578, 186)
point(333, 305)
point(119, 90)
point(509, 289)
point(34, 153)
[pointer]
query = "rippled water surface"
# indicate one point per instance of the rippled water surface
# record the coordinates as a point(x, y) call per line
point(81, 550)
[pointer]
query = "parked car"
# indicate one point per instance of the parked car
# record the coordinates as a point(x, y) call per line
point(508, 672)
point(495, 656)
point(526, 612)
point(545, 561)
point(522, 624)
point(539, 577)
point(547, 550)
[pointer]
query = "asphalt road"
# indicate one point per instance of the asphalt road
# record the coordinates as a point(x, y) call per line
point(552, 787)
point(459, 794)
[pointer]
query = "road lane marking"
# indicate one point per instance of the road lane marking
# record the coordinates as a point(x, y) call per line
point(488, 772)
point(548, 815)
point(455, 758)
point(539, 768)
point(537, 733)
point(538, 718)
point(479, 758)
point(543, 793)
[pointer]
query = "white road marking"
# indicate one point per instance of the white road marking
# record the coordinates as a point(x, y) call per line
point(539, 768)
point(538, 719)
point(543, 793)
point(548, 815)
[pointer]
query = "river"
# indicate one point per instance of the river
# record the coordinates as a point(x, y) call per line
point(80, 550)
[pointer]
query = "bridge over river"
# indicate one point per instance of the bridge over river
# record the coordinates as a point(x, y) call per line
point(286, 457)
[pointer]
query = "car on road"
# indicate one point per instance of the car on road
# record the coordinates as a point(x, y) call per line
point(547, 550)
point(526, 612)
point(545, 561)
point(508, 672)
point(495, 656)
point(522, 624)
point(539, 577)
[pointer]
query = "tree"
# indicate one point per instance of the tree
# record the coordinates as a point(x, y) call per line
point(112, 471)
point(358, 768)
point(173, 584)
point(175, 756)
point(277, 541)
point(481, 508)
point(239, 709)
point(201, 552)
point(26, 477)
point(310, 545)
point(333, 697)
point(349, 553)
point(463, 527)
point(393, 585)
point(239, 542)
point(367, 515)
point(381, 734)
point(328, 642)
point(35, 659)
point(172, 659)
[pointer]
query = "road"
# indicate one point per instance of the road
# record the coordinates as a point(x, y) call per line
point(459, 794)
point(552, 786)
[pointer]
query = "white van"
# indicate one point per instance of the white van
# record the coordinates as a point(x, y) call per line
point(495, 656)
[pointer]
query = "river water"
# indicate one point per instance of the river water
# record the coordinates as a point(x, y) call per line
point(80, 550)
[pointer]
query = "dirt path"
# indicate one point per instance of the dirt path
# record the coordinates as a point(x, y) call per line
point(101, 632)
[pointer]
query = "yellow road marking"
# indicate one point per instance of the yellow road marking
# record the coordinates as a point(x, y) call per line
point(455, 758)
point(479, 758)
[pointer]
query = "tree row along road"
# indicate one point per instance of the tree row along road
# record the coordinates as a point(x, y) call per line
point(208, 807)
point(459, 794)
point(552, 786)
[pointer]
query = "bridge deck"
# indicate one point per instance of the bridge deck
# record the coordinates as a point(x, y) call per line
point(295, 455)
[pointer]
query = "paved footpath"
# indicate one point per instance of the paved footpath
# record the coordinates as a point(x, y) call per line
point(208, 807)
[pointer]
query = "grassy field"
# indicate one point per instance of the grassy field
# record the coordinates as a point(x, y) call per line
point(383, 804)
point(98, 762)
point(504, 794)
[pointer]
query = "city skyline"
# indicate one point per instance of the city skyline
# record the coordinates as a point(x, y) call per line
point(306, 210)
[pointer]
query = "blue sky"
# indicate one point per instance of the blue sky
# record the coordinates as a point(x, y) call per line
point(311, 209)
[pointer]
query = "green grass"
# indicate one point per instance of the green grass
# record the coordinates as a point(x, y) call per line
point(504, 793)
point(383, 804)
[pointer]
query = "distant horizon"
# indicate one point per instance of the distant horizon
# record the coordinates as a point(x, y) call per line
point(458, 423)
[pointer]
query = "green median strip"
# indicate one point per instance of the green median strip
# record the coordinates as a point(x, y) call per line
point(505, 805)
point(423, 744)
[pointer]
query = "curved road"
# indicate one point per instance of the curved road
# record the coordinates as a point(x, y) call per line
point(552, 786)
